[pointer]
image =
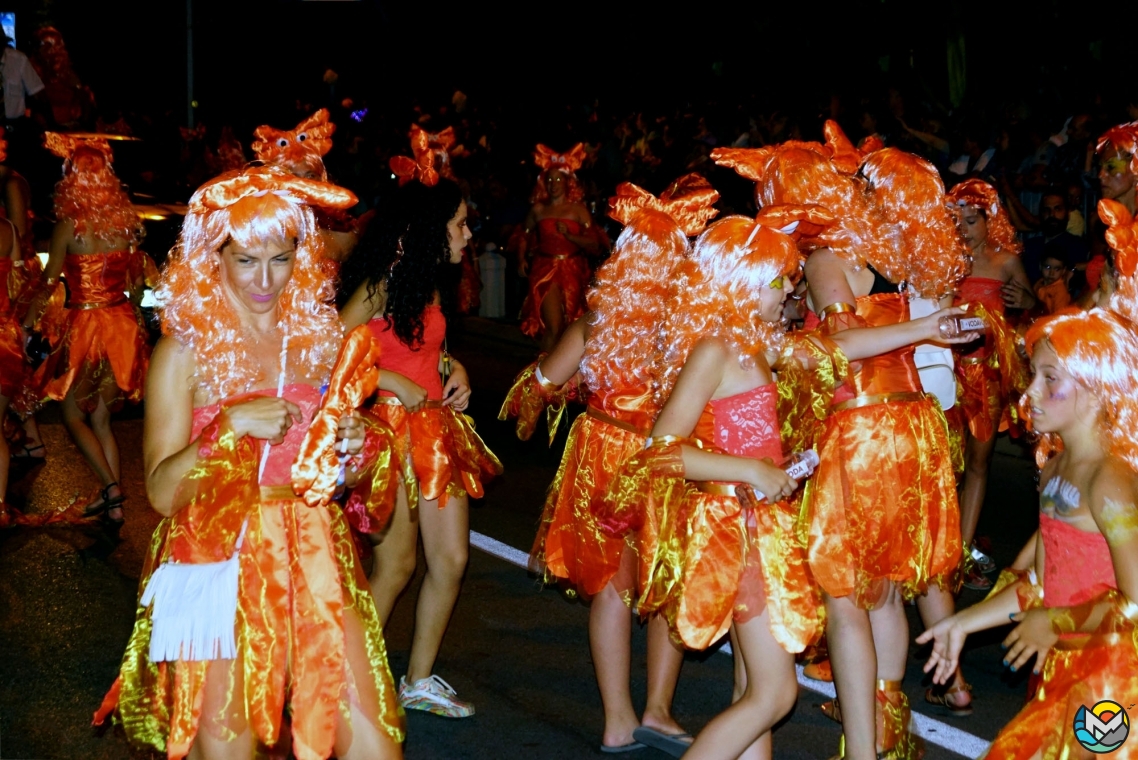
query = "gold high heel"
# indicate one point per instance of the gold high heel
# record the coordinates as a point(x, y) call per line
point(893, 718)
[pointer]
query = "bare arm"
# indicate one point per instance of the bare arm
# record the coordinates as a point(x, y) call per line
point(528, 226)
point(565, 358)
point(16, 202)
point(827, 281)
point(1015, 275)
point(864, 342)
point(362, 307)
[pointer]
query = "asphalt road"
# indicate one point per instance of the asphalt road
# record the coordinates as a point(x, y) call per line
point(518, 651)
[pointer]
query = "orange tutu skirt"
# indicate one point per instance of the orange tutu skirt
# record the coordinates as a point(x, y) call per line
point(882, 505)
point(1073, 678)
point(981, 398)
point(571, 273)
point(101, 348)
point(570, 545)
point(439, 450)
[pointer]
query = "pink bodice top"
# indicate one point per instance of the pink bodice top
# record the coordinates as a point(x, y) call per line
point(1077, 564)
point(983, 290)
point(278, 470)
point(744, 425)
point(420, 365)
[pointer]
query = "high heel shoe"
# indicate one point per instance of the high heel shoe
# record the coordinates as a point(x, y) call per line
point(109, 503)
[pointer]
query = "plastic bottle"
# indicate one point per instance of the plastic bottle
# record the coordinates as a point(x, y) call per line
point(799, 466)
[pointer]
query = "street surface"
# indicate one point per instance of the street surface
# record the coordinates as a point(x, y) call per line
point(518, 651)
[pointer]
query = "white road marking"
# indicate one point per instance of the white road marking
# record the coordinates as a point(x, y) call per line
point(929, 729)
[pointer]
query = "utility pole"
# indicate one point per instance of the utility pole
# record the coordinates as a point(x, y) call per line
point(190, 102)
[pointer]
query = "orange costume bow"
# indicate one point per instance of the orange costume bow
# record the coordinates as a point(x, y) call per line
point(439, 143)
point(65, 146)
point(256, 181)
point(313, 136)
point(422, 166)
point(315, 474)
point(689, 201)
point(569, 162)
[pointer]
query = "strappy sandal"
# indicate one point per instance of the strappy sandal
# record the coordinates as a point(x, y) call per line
point(26, 453)
point(832, 710)
point(109, 503)
point(934, 696)
point(892, 725)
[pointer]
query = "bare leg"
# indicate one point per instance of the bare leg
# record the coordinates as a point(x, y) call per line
point(223, 732)
point(761, 748)
point(361, 736)
point(977, 459)
point(854, 659)
point(770, 694)
point(890, 636)
point(610, 627)
point(552, 317)
point(446, 543)
point(934, 607)
point(395, 557)
point(101, 426)
point(665, 659)
point(32, 432)
point(91, 443)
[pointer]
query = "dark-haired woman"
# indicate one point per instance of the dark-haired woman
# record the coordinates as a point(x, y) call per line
point(395, 283)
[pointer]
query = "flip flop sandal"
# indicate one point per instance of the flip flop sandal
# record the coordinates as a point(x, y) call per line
point(819, 671)
point(630, 747)
point(832, 710)
point(672, 744)
point(942, 699)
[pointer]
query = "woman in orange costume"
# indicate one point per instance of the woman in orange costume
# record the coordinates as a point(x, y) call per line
point(301, 151)
point(991, 374)
point(884, 516)
point(13, 367)
point(102, 358)
point(559, 235)
point(287, 622)
point(612, 346)
point(395, 285)
point(1074, 609)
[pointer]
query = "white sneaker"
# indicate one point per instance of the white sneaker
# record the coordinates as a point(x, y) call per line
point(433, 695)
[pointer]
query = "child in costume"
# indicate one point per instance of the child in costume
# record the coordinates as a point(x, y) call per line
point(396, 285)
point(993, 374)
point(253, 600)
point(1074, 609)
point(102, 357)
point(559, 236)
point(613, 346)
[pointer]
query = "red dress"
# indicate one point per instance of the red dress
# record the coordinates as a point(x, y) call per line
point(706, 561)
point(557, 261)
point(437, 446)
point(882, 505)
point(104, 344)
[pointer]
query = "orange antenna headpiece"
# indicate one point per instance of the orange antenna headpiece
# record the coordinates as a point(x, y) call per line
point(311, 137)
point(980, 195)
point(690, 201)
point(422, 166)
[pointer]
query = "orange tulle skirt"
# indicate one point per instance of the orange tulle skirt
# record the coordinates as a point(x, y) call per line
point(882, 505)
point(571, 273)
point(439, 450)
point(1072, 678)
point(570, 545)
point(981, 399)
point(305, 616)
point(101, 348)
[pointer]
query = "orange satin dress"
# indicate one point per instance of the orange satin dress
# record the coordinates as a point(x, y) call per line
point(104, 345)
point(989, 374)
point(570, 545)
point(305, 616)
point(710, 562)
point(1081, 669)
point(437, 446)
point(12, 365)
point(559, 262)
point(882, 505)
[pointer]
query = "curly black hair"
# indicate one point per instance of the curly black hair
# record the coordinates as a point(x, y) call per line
point(407, 248)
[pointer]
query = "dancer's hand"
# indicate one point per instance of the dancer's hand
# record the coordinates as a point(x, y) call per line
point(948, 639)
point(771, 481)
point(351, 430)
point(410, 394)
point(456, 393)
point(1033, 636)
point(523, 267)
point(267, 418)
point(942, 328)
point(1016, 296)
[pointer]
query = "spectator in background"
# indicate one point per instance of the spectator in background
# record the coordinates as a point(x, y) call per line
point(1051, 289)
point(1052, 222)
point(20, 82)
point(1076, 221)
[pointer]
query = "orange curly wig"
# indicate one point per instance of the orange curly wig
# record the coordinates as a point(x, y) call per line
point(1100, 350)
point(910, 193)
point(567, 163)
point(1122, 237)
point(90, 196)
point(627, 300)
point(718, 288)
point(254, 207)
point(984, 198)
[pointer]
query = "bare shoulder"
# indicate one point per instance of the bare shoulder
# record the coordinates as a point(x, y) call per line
point(1113, 487)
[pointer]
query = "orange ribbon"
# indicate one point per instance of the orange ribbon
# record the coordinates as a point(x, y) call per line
point(422, 166)
point(568, 162)
point(689, 201)
point(256, 181)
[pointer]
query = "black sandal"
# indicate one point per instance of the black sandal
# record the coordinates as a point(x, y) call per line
point(26, 454)
point(109, 503)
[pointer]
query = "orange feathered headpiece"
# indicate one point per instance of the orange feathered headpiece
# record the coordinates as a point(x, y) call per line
point(306, 145)
point(632, 288)
point(1122, 237)
point(421, 167)
point(90, 195)
point(719, 287)
point(910, 194)
point(255, 207)
point(799, 173)
point(690, 201)
point(1124, 137)
point(980, 195)
point(567, 163)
